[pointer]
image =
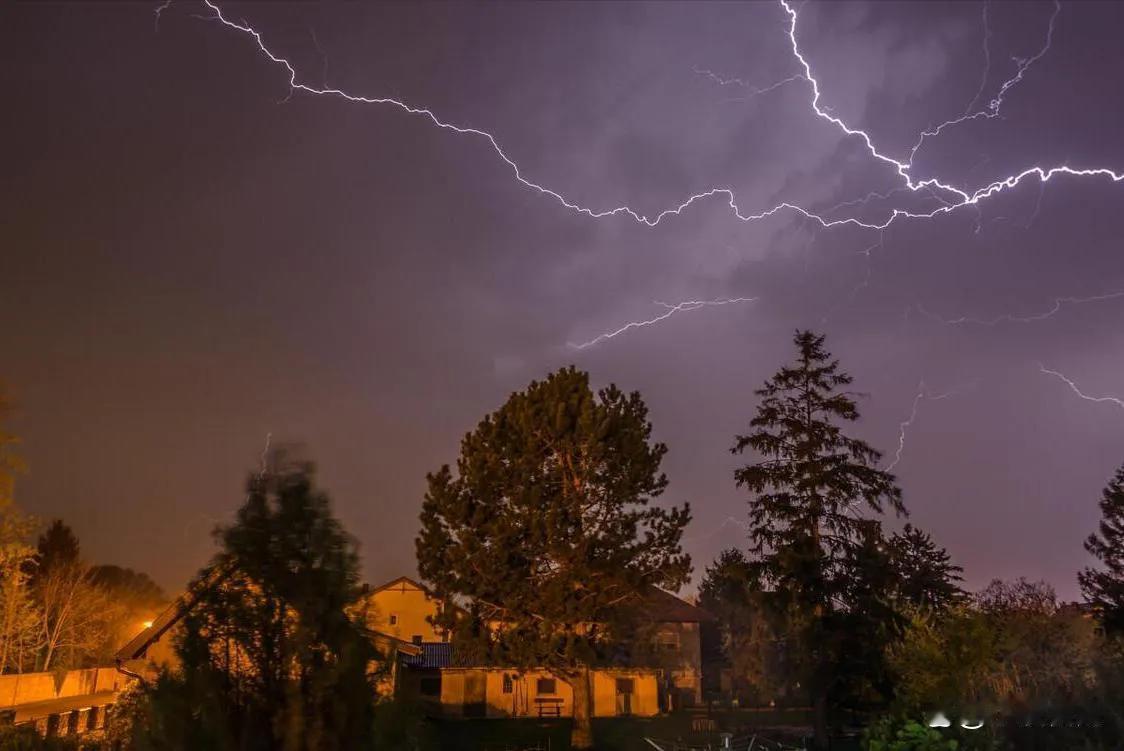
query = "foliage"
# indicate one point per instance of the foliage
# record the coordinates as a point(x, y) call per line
point(893, 734)
point(74, 615)
point(57, 547)
point(548, 529)
point(926, 575)
point(1104, 588)
point(807, 535)
point(273, 655)
point(750, 625)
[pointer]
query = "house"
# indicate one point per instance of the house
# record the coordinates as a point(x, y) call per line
point(457, 687)
point(153, 649)
point(402, 608)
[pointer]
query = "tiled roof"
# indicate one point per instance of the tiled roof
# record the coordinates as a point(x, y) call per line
point(434, 654)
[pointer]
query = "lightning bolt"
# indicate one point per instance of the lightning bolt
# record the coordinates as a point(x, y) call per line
point(753, 90)
point(958, 197)
point(687, 305)
point(1059, 303)
point(906, 424)
point(996, 104)
point(1073, 387)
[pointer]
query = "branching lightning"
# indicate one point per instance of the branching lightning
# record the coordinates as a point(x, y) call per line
point(671, 310)
point(992, 110)
point(1059, 303)
point(956, 197)
point(906, 424)
point(1073, 387)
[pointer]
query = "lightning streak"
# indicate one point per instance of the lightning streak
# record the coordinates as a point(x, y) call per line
point(958, 197)
point(671, 310)
point(1073, 387)
point(906, 424)
point(1059, 303)
point(996, 104)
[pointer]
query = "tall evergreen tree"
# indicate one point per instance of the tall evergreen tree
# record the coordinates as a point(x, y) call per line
point(273, 655)
point(809, 489)
point(927, 578)
point(57, 547)
point(547, 527)
point(1104, 588)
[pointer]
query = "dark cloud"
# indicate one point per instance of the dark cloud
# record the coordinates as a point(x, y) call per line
point(193, 258)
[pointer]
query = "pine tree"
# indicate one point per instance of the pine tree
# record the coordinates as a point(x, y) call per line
point(273, 655)
point(927, 578)
point(547, 528)
point(1104, 588)
point(809, 490)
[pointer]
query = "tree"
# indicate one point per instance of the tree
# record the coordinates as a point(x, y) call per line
point(926, 575)
point(18, 614)
point(547, 529)
point(74, 615)
point(1104, 588)
point(808, 490)
point(57, 547)
point(749, 625)
point(273, 653)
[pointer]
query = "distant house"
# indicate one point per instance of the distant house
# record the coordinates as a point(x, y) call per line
point(154, 648)
point(458, 687)
point(423, 665)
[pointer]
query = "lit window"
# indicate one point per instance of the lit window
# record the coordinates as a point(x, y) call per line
point(545, 686)
point(507, 685)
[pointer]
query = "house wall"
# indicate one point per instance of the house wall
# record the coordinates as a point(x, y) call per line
point(683, 663)
point(410, 605)
point(521, 701)
point(32, 687)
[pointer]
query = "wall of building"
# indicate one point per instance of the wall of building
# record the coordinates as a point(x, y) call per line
point(26, 688)
point(461, 696)
point(408, 606)
point(679, 650)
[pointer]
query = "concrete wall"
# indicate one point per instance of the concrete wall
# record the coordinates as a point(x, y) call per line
point(523, 700)
point(32, 687)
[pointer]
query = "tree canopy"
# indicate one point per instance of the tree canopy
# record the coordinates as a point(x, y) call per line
point(1104, 587)
point(273, 654)
point(548, 526)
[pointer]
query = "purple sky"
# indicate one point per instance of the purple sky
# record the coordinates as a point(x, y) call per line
point(192, 258)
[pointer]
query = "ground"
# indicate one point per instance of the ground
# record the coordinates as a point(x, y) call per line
point(616, 734)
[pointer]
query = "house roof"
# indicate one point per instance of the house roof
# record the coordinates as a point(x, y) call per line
point(399, 581)
point(137, 646)
point(665, 607)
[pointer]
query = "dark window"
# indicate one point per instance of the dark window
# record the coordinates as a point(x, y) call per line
point(393, 619)
point(544, 686)
point(430, 686)
point(416, 639)
point(624, 685)
point(507, 687)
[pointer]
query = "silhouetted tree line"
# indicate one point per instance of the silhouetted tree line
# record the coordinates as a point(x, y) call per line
point(547, 526)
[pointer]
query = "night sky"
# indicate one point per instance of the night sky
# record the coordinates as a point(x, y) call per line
point(191, 258)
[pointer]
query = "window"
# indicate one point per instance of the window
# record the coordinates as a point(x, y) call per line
point(507, 684)
point(430, 686)
point(545, 686)
point(393, 619)
point(416, 639)
point(624, 685)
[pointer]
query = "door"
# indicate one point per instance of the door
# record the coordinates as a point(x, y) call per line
point(475, 694)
